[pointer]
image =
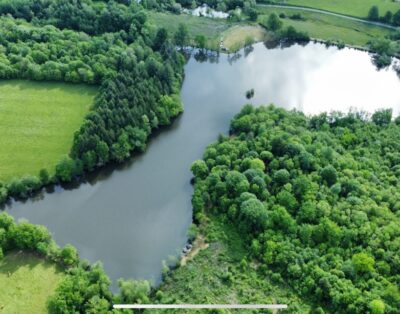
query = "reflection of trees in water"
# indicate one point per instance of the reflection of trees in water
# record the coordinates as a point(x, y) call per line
point(232, 58)
point(247, 50)
point(396, 67)
point(201, 55)
point(282, 44)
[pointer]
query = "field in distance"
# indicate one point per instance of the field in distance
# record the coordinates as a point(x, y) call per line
point(358, 8)
point(26, 282)
point(37, 123)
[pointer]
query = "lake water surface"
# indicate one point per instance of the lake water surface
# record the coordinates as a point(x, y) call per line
point(133, 217)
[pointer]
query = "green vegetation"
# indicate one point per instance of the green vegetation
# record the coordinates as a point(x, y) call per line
point(211, 28)
point(223, 273)
point(326, 27)
point(358, 8)
point(300, 210)
point(240, 36)
point(33, 267)
point(37, 124)
point(137, 67)
point(315, 200)
point(86, 16)
point(26, 282)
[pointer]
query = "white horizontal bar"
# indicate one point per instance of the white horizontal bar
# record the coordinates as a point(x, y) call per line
point(199, 306)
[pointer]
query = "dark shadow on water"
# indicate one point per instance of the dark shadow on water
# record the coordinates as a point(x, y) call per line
point(248, 50)
point(232, 58)
point(206, 56)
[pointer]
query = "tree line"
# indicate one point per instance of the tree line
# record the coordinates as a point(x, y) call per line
point(388, 17)
point(316, 199)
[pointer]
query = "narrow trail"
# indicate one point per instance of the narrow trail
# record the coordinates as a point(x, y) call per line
point(328, 13)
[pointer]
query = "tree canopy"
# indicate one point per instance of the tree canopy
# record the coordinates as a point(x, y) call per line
point(322, 211)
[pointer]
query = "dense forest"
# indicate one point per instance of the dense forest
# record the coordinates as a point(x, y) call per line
point(91, 17)
point(316, 200)
point(137, 67)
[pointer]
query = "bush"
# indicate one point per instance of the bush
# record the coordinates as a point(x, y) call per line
point(290, 34)
point(297, 16)
point(273, 22)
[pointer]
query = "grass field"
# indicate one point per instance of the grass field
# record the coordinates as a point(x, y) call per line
point(358, 8)
point(26, 282)
point(37, 123)
point(211, 28)
point(328, 27)
point(235, 37)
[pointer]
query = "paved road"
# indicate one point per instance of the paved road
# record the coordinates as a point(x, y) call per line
point(328, 13)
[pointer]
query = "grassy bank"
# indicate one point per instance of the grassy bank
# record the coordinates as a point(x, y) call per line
point(358, 8)
point(326, 27)
point(26, 282)
point(233, 35)
point(37, 123)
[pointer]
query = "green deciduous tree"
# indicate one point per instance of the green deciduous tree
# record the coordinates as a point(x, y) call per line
point(363, 263)
point(373, 13)
point(274, 23)
point(182, 36)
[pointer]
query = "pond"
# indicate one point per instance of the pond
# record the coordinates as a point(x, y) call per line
point(135, 216)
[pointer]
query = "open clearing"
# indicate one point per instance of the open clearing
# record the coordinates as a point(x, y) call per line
point(37, 123)
point(26, 282)
point(235, 37)
point(211, 28)
point(326, 27)
point(358, 8)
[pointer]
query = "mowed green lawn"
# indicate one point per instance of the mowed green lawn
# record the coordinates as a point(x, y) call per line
point(37, 123)
point(327, 27)
point(357, 8)
point(26, 282)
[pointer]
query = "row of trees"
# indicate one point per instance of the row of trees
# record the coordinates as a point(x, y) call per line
point(389, 17)
point(33, 238)
point(316, 199)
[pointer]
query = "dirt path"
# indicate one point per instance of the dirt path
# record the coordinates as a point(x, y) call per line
point(198, 244)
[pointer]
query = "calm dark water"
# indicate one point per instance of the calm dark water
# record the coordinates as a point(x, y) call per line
point(134, 217)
